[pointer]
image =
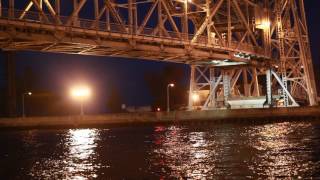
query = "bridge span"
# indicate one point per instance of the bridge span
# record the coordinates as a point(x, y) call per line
point(237, 49)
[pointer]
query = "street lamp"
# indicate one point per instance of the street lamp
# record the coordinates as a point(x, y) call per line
point(28, 94)
point(168, 96)
point(80, 94)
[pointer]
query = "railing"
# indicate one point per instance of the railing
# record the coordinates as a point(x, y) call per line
point(88, 24)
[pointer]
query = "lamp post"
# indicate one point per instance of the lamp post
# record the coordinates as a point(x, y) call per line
point(168, 96)
point(81, 94)
point(26, 93)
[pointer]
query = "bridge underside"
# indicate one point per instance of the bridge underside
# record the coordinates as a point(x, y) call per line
point(238, 50)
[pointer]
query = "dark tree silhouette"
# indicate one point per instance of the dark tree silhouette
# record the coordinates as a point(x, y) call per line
point(114, 101)
point(157, 84)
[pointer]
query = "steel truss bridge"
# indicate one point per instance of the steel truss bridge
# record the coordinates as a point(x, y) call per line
point(237, 49)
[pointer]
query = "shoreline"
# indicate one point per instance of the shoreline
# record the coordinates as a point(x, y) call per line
point(213, 116)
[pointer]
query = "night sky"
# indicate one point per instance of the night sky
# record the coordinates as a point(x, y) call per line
point(57, 72)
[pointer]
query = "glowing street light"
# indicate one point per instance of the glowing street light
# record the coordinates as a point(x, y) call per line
point(168, 96)
point(24, 94)
point(80, 93)
point(195, 97)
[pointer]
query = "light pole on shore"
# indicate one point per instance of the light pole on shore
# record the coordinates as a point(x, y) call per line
point(23, 95)
point(81, 94)
point(168, 96)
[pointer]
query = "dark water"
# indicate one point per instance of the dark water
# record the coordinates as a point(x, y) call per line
point(203, 151)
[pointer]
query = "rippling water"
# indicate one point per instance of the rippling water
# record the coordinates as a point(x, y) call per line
point(203, 151)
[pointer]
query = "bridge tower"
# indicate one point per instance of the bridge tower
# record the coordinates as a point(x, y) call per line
point(281, 28)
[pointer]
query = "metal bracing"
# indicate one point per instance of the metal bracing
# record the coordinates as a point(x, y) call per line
point(226, 88)
point(215, 85)
point(284, 88)
point(269, 87)
point(241, 37)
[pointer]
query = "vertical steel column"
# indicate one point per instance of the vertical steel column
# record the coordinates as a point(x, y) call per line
point(0, 8)
point(108, 19)
point(209, 21)
point(11, 8)
point(75, 18)
point(96, 14)
point(40, 5)
point(229, 23)
point(256, 82)
point(266, 30)
point(269, 86)
point(247, 91)
point(212, 92)
point(280, 34)
point(185, 29)
point(160, 21)
point(135, 17)
point(57, 7)
point(192, 84)
point(305, 55)
point(11, 84)
point(130, 16)
point(226, 88)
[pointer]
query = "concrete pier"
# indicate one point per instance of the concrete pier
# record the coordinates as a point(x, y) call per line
point(214, 116)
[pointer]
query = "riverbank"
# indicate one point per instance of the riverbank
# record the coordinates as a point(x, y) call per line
point(215, 116)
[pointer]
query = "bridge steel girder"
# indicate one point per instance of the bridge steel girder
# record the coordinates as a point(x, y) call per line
point(251, 36)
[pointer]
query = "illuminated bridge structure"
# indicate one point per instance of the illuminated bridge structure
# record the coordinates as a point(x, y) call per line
point(238, 50)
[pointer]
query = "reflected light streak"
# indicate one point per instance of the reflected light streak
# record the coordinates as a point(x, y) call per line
point(186, 154)
point(273, 140)
point(81, 155)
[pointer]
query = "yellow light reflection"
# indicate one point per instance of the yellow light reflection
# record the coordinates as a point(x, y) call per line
point(273, 141)
point(81, 155)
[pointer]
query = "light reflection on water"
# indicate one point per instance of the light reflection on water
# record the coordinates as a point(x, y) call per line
point(81, 154)
point(280, 153)
point(78, 158)
point(272, 150)
point(182, 153)
point(285, 150)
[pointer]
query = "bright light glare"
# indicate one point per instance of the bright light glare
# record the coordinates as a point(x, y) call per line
point(29, 93)
point(82, 92)
point(195, 97)
point(264, 25)
point(171, 85)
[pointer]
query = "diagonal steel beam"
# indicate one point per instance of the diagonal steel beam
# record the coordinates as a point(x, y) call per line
point(213, 11)
point(52, 11)
point(284, 88)
point(36, 3)
point(26, 10)
point(147, 17)
point(244, 22)
point(75, 12)
point(173, 24)
point(116, 15)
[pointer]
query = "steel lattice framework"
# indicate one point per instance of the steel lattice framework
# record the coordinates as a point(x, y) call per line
point(236, 48)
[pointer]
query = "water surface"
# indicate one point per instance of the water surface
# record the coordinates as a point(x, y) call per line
point(164, 152)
